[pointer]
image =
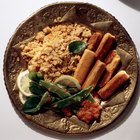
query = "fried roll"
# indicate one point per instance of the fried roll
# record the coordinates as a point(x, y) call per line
point(94, 41)
point(110, 56)
point(94, 75)
point(118, 80)
point(84, 66)
point(104, 46)
point(110, 68)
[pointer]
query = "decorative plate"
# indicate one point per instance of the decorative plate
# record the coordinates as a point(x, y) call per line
point(89, 15)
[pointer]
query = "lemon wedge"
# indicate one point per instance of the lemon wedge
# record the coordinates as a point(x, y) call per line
point(23, 83)
point(22, 97)
point(68, 82)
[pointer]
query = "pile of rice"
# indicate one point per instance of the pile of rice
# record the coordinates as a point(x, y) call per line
point(48, 52)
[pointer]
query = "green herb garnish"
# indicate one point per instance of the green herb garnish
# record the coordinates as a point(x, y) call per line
point(77, 47)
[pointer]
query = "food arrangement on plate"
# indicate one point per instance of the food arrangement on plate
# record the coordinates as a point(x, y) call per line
point(73, 73)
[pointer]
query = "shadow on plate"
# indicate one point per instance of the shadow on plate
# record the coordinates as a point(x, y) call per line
point(135, 4)
point(119, 121)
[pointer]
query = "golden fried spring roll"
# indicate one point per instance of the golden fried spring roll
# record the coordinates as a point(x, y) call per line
point(84, 66)
point(94, 75)
point(110, 68)
point(94, 41)
point(110, 56)
point(118, 80)
point(104, 46)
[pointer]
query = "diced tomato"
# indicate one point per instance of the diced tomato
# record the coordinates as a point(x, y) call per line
point(67, 111)
point(89, 111)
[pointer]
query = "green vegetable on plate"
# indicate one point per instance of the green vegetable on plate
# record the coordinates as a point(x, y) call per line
point(51, 87)
point(35, 76)
point(77, 47)
point(91, 98)
point(69, 83)
point(36, 89)
point(34, 103)
point(76, 98)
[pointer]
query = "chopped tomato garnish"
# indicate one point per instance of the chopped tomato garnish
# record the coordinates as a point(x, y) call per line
point(67, 111)
point(89, 111)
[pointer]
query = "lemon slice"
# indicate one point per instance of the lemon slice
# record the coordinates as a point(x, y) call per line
point(68, 82)
point(23, 83)
point(22, 97)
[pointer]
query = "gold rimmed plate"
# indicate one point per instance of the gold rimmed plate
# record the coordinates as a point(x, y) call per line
point(95, 18)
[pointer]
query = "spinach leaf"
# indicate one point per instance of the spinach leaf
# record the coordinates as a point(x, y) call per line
point(77, 46)
point(30, 105)
point(36, 89)
point(34, 103)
